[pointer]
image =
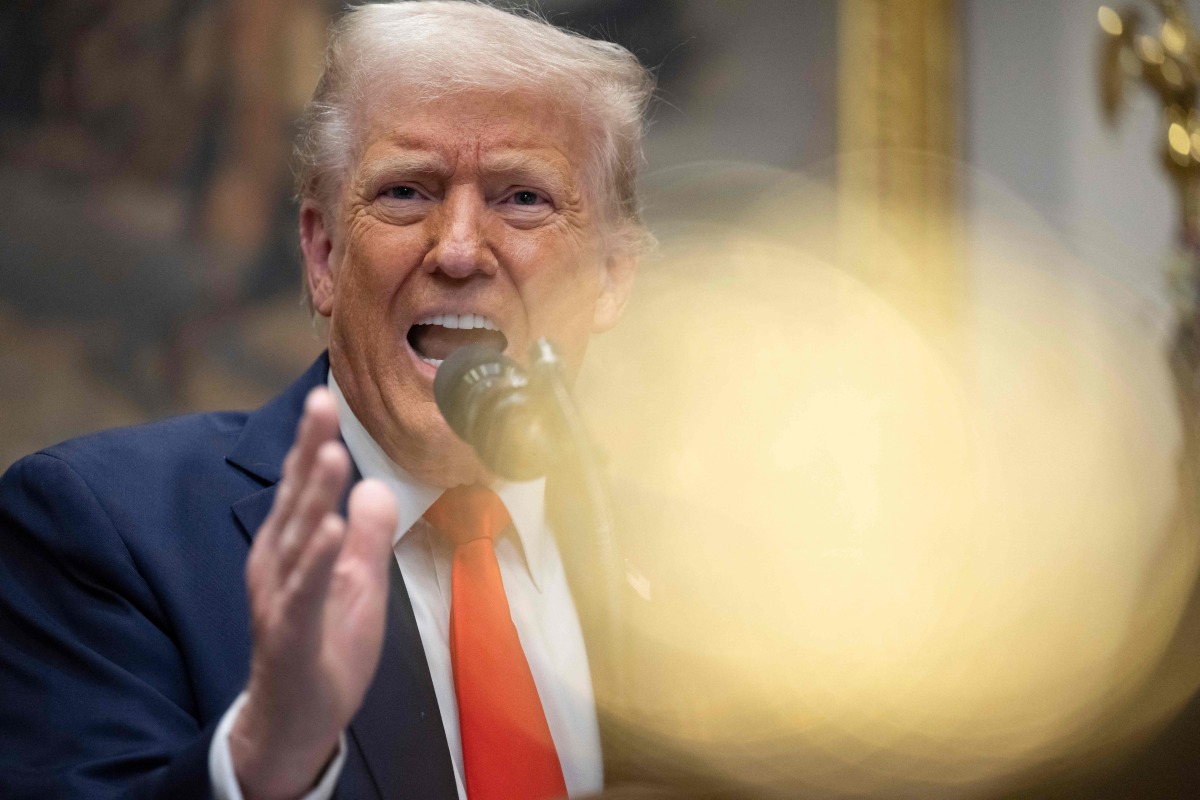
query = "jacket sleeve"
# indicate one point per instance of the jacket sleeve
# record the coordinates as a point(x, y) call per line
point(95, 700)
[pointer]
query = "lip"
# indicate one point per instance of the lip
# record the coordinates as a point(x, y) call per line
point(422, 366)
point(428, 370)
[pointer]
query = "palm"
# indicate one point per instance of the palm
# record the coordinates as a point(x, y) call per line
point(318, 596)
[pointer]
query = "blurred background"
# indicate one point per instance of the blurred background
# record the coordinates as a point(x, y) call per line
point(974, 220)
point(147, 236)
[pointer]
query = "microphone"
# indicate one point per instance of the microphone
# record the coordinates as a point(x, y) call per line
point(521, 425)
point(490, 402)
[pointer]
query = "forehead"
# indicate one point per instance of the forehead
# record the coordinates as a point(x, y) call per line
point(475, 131)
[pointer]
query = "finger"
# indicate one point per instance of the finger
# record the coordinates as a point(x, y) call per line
point(308, 584)
point(318, 425)
point(284, 500)
point(320, 496)
point(320, 411)
point(371, 528)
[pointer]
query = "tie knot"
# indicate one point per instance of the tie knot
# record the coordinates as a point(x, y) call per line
point(467, 513)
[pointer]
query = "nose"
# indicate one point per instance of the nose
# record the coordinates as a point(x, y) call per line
point(460, 246)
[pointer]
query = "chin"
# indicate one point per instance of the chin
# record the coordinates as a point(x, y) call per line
point(406, 422)
point(436, 456)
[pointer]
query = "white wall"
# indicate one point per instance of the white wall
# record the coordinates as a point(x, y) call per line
point(1072, 225)
point(1034, 125)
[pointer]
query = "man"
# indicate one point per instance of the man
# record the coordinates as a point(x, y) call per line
point(466, 175)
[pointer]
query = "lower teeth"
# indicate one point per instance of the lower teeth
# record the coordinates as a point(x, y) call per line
point(437, 362)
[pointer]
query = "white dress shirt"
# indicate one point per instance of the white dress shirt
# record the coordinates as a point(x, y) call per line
point(538, 597)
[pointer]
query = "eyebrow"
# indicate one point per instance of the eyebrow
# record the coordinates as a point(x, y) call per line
point(418, 162)
point(524, 167)
point(514, 165)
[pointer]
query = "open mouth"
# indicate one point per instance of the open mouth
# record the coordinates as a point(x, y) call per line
point(434, 338)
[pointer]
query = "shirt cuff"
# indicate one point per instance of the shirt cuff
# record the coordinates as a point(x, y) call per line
point(220, 762)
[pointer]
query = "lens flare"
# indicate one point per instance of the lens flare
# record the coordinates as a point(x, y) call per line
point(879, 562)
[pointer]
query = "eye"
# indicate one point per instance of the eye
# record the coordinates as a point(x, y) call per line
point(401, 193)
point(526, 197)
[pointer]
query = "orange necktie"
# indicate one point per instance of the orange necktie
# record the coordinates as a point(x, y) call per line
point(507, 750)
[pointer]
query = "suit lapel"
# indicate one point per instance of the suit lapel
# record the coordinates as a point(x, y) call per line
point(265, 439)
point(398, 730)
point(252, 510)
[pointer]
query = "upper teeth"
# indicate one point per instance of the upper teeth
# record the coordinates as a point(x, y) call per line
point(459, 321)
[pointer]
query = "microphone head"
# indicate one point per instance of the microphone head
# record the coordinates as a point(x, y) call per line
point(476, 365)
point(485, 399)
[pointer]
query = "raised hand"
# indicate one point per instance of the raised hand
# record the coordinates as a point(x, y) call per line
point(318, 588)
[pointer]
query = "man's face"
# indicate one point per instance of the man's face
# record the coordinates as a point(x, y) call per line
point(465, 219)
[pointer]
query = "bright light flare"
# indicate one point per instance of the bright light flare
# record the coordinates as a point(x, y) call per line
point(1110, 21)
point(874, 570)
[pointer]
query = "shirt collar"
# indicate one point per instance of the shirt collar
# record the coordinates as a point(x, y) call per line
point(525, 500)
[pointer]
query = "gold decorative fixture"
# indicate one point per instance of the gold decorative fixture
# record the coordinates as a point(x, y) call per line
point(1164, 58)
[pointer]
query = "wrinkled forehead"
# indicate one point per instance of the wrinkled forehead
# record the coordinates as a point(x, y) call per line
point(513, 125)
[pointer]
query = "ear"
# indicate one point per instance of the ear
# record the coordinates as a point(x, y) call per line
point(316, 244)
point(616, 282)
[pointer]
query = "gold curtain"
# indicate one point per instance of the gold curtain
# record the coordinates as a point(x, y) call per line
point(899, 111)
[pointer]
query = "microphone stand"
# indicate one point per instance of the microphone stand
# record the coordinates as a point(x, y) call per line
point(546, 378)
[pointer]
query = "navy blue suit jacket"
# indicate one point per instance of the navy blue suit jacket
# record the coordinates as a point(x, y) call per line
point(124, 623)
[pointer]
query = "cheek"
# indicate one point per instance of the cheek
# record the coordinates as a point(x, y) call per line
point(561, 302)
point(522, 249)
point(376, 265)
point(555, 260)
